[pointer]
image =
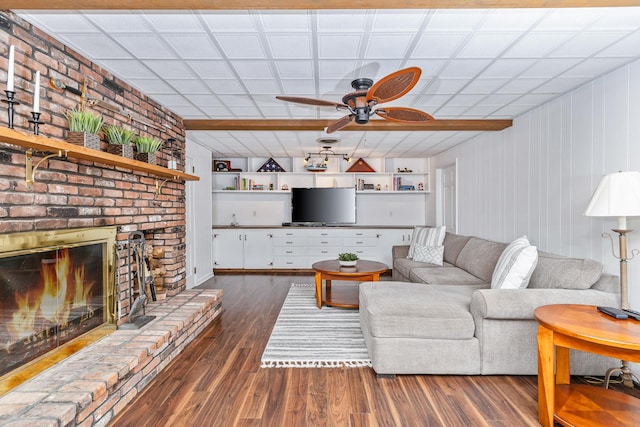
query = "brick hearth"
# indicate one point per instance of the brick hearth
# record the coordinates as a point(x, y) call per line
point(93, 385)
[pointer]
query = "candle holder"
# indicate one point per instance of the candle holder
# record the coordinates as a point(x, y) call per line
point(36, 122)
point(11, 101)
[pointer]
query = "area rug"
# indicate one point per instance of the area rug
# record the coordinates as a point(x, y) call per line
point(307, 337)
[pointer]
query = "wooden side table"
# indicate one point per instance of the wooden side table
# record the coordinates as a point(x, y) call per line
point(582, 327)
point(364, 271)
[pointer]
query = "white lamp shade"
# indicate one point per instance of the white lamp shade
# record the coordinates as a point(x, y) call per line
point(617, 195)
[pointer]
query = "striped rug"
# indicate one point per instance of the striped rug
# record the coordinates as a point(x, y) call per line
point(306, 337)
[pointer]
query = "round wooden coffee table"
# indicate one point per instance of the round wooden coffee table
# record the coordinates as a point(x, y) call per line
point(344, 297)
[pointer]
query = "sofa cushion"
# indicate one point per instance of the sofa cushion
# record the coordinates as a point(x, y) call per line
point(555, 271)
point(426, 236)
point(453, 244)
point(515, 265)
point(407, 310)
point(444, 276)
point(479, 257)
point(429, 254)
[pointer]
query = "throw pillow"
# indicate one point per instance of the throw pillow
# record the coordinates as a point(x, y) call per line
point(429, 254)
point(515, 265)
point(426, 236)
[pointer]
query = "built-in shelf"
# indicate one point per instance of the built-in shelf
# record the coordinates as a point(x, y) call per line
point(50, 145)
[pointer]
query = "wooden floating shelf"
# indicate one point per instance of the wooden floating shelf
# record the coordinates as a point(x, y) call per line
point(42, 143)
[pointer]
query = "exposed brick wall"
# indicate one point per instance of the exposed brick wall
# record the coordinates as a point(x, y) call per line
point(70, 193)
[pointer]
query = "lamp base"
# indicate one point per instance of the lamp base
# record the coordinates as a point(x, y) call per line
point(625, 372)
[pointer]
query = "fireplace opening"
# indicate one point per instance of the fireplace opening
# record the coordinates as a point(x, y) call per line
point(55, 286)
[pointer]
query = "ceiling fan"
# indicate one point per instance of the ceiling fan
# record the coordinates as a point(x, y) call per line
point(362, 103)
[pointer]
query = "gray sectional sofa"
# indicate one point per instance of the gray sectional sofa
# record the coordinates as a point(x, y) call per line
point(447, 319)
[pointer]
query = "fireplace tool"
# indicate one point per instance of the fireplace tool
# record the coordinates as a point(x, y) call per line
point(137, 247)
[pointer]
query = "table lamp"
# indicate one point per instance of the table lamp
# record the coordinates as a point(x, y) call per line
point(618, 195)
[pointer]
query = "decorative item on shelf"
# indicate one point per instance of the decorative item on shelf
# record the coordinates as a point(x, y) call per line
point(378, 187)
point(146, 147)
point(348, 259)
point(271, 166)
point(360, 166)
point(285, 187)
point(618, 195)
point(83, 128)
point(420, 186)
point(174, 155)
point(119, 140)
point(404, 170)
point(11, 100)
point(35, 114)
point(222, 165)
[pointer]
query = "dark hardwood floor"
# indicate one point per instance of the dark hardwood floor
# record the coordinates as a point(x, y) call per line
point(217, 381)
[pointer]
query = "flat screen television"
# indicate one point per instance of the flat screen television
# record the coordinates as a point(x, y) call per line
point(323, 206)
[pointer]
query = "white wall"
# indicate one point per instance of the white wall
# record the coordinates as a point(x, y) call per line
point(537, 177)
point(199, 209)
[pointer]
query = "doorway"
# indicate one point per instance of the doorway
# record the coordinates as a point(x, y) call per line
point(447, 197)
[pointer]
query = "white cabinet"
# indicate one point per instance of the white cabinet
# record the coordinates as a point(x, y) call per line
point(242, 248)
point(390, 237)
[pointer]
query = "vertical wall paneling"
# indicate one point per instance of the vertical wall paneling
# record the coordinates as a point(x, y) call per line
point(536, 177)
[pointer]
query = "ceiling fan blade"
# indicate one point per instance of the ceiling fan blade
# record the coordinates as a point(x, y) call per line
point(340, 123)
point(394, 85)
point(402, 114)
point(311, 101)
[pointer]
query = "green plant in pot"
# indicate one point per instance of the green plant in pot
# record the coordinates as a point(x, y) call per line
point(348, 259)
point(119, 140)
point(84, 127)
point(146, 147)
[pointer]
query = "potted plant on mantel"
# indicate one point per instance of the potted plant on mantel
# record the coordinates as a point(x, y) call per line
point(119, 140)
point(146, 147)
point(83, 128)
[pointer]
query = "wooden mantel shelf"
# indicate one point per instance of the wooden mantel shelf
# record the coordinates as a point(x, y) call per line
point(42, 143)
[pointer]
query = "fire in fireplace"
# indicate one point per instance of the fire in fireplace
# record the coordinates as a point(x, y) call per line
point(54, 287)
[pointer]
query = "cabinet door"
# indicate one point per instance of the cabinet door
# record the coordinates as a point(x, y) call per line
point(228, 249)
point(392, 237)
point(258, 249)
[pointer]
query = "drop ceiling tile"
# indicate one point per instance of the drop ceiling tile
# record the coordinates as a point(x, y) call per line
point(568, 19)
point(480, 111)
point(252, 69)
point(585, 44)
point(511, 19)
point(513, 110)
point(618, 18)
point(333, 88)
point(388, 45)
point(331, 46)
point(97, 46)
point(203, 100)
point(270, 112)
point(231, 21)
point(336, 70)
point(458, 68)
point(129, 69)
point(430, 67)
point(483, 86)
point(60, 23)
point(174, 22)
point(627, 47)
point(549, 67)
point(342, 20)
point(561, 85)
point(533, 99)
point(397, 21)
point(499, 100)
point(294, 69)
point(245, 111)
point(385, 67)
point(145, 46)
point(225, 86)
point(432, 101)
point(521, 85)
point(193, 46)
point(298, 87)
point(507, 68)
point(464, 100)
point(169, 69)
point(486, 45)
point(236, 100)
point(290, 46)
point(452, 19)
point(212, 69)
point(188, 112)
point(595, 67)
point(537, 45)
point(119, 22)
point(172, 101)
point(261, 86)
point(432, 46)
point(241, 46)
point(188, 86)
point(286, 20)
point(152, 86)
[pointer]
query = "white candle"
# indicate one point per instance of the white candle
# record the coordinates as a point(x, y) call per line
point(10, 71)
point(36, 94)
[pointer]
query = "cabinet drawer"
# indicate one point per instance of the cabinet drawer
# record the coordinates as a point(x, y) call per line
point(325, 242)
point(361, 233)
point(289, 241)
point(292, 251)
point(324, 253)
point(360, 241)
point(293, 262)
point(366, 252)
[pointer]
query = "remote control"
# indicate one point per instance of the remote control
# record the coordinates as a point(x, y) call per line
point(613, 312)
point(632, 313)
